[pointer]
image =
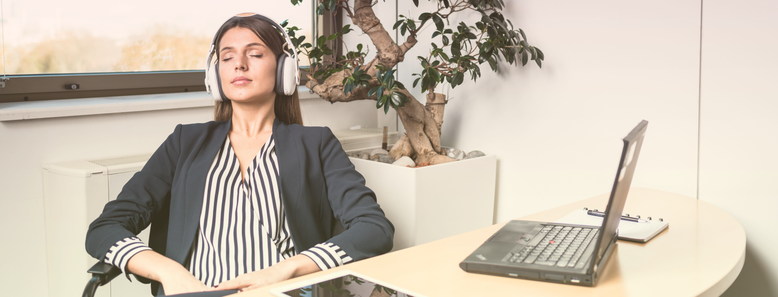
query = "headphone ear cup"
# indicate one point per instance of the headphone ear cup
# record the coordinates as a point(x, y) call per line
point(286, 72)
point(214, 82)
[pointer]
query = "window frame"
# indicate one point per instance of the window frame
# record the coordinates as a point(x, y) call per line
point(36, 87)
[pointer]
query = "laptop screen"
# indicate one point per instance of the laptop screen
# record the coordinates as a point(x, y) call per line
point(618, 197)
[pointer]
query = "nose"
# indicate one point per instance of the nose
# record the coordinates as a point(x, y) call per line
point(242, 64)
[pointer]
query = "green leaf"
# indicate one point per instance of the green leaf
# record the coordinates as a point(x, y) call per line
point(444, 56)
point(386, 107)
point(425, 16)
point(435, 74)
point(389, 73)
point(321, 40)
point(390, 82)
point(438, 22)
point(378, 103)
point(397, 24)
point(455, 49)
point(493, 64)
point(445, 40)
point(416, 81)
point(541, 56)
point(524, 58)
point(348, 88)
point(416, 2)
point(459, 78)
point(424, 63)
point(346, 29)
point(398, 99)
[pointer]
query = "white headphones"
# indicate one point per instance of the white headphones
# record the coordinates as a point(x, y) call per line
point(287, 71)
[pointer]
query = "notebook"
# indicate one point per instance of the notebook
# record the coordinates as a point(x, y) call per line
point(631, 228)
point(557, 252)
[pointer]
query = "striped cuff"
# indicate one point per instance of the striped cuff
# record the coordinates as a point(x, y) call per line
point(121, 252)
point(327, 255)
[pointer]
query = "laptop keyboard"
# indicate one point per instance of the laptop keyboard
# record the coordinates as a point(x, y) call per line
point(560, 246)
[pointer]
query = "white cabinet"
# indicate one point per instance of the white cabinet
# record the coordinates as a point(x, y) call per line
point(74, 194)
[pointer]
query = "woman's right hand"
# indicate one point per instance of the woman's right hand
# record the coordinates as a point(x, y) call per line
point(183, 284)
point(174, 277)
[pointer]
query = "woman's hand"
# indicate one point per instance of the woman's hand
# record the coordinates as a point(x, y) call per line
point(182, 283)
point(174, 277)
point(286, 269)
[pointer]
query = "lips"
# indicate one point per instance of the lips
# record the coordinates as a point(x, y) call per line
point(240, 80)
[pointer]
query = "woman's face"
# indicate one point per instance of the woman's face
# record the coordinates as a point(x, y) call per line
point(247, 67)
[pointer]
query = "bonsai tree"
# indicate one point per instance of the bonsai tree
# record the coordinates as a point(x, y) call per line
point(457, 52)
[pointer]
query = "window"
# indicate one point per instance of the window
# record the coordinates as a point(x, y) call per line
point(87, 48)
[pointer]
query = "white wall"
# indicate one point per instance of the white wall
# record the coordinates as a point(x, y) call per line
point(28, 144)
point(739, 130)
point(557, 130)
point(609, 64)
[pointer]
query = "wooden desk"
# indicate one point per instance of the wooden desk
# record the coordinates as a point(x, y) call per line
point(700, 254)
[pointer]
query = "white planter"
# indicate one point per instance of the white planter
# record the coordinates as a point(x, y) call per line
point(433, 202)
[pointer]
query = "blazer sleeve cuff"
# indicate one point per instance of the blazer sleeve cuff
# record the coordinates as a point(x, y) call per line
point(121, 252)
point(327, 255)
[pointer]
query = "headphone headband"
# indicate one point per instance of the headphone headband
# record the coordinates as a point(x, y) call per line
point(288, 70)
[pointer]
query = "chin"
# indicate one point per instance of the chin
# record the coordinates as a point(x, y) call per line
point(248, 98)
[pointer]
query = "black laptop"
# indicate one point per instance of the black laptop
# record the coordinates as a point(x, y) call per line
point(562, 253)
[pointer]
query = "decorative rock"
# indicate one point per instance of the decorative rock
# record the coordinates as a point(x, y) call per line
point(405, 161)
point(376, 157)
point(474, 154)
point(377, 152)
point(455, 153)
point(385, 159)
point(364, 156)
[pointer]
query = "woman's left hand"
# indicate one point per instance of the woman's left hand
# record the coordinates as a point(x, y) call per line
point(289, 268)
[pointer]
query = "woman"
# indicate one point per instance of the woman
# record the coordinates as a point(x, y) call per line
point(250, 199)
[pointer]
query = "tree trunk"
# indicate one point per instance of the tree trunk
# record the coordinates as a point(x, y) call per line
point(422, 124)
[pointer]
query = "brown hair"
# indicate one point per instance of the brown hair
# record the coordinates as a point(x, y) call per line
point(287, 108)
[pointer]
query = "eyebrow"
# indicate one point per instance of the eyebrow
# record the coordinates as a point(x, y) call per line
point(248, 45)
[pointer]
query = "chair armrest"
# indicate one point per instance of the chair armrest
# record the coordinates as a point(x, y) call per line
point(102, 273)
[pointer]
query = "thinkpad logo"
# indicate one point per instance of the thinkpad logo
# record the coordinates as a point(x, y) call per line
point(480, 257)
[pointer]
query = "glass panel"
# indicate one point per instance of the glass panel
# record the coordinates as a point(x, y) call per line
point(92, 36)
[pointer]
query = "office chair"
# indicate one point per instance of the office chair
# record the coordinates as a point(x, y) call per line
point(102, 273)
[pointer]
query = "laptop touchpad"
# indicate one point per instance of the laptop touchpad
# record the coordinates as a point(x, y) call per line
point(507, 237)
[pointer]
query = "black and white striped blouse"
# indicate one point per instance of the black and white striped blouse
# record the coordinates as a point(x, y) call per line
point(243, 226)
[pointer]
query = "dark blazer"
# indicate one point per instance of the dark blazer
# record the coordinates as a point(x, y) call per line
point(319, 186)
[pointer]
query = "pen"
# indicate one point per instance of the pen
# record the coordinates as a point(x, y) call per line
point(625, 218)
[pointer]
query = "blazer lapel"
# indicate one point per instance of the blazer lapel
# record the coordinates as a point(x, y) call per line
point(195, 186)
point(291, 171)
